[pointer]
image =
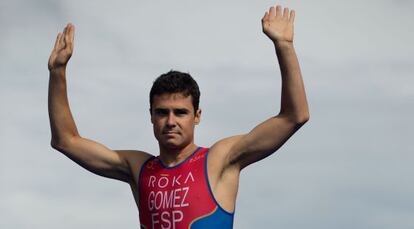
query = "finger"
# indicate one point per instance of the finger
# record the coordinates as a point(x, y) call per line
point(285, 13)
point(61, 45)
point(71, 34)
point(265, 17)
point(67, 36)
point(292, 16)
point(278, 11)
point(272, 12)
point(57, 41)
point(65, 29)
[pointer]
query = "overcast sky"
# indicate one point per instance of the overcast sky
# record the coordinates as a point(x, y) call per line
point(350, 166)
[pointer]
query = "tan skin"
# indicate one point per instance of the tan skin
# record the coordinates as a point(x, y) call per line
point(174, 120)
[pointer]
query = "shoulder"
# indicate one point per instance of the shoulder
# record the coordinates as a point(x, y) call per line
point(135, 159)
point(220, 154)
point(224, 145)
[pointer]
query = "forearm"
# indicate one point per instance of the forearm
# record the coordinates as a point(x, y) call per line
point(62, 124)
point(293, 99)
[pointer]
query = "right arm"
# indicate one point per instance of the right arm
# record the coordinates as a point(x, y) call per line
point(91, 155)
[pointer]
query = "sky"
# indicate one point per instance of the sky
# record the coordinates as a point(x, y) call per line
point(350, 166)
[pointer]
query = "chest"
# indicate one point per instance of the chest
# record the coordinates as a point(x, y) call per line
point(174, 196)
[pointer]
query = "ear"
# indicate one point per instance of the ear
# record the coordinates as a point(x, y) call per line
point(152, 121)
point(197, 117)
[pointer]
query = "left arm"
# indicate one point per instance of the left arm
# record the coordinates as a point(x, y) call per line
point(270, 135)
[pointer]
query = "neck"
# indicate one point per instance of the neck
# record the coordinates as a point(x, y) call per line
point(174, 156)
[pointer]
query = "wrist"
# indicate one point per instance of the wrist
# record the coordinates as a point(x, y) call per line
point(283, 44)
point(57, 70)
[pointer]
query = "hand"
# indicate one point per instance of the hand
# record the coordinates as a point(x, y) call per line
point(63, 49)
point(278, 25)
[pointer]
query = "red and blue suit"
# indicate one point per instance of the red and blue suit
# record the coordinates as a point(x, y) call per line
point(179, 197)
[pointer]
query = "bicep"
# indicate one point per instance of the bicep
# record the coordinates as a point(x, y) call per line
point(262, 141)
point(97, 158)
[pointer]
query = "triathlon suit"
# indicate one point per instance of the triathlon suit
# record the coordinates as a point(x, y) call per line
point(179, 197)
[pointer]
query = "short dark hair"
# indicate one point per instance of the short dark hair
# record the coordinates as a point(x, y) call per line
point(176, 82)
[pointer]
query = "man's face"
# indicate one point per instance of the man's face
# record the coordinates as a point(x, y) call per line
point(173, 120)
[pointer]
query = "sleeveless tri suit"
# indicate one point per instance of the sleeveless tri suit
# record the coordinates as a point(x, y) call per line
point(179, 197)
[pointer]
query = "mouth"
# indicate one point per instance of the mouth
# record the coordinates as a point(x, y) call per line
point(170, 133)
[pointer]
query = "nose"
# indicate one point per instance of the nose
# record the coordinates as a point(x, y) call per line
point(171, 120)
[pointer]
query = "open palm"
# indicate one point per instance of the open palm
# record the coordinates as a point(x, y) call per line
point(63, 49)
point(278, 24)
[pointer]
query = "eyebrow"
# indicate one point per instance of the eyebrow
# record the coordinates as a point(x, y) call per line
point(181, 110)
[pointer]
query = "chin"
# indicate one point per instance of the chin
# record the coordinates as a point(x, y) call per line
point(172, 145)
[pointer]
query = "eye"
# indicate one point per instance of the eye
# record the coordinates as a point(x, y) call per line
point(161, 112)
point(181, 112)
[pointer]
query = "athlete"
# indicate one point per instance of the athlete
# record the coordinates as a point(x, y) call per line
point(186, 185)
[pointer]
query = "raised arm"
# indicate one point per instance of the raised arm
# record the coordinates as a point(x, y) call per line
point(91, 155)
point(270, 135)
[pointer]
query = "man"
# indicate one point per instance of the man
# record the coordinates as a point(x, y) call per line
point(186, 186)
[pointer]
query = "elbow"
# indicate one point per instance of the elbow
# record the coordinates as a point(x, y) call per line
point(302, 119)
point(56, 145)
point(297, 117)
point(298, 120)
point(60, 144)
